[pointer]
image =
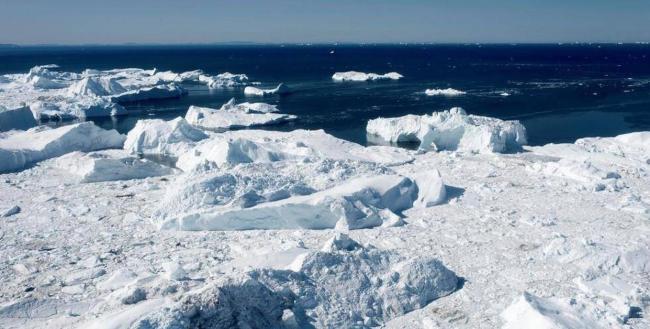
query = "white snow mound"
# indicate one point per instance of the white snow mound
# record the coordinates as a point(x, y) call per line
point(451, 130)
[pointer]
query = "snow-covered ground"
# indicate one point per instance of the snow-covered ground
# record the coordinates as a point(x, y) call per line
point(262, 229)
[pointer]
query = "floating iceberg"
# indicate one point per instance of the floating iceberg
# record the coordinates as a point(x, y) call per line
point(360, 76)
point(160, 137)
point(171, 90)
point(21, 149)
point(17, 118)
point(281, 89)
point(224, 80)
point(94, 86)
point(232, 115)
point(109, 165)
point(444, 92)
point(451, 130)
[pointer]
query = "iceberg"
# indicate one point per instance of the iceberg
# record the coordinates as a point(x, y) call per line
point(358, 203)
point(93, 86)
point(452, 130)
point(171, 90)
point(17, 118)
point(444, 92)
point(232, 115)
point(22, 149)
point(281, 89)
point(251, 146)
point(224, 80)
point(361, 76)
point(109, 165)
point(160, 137)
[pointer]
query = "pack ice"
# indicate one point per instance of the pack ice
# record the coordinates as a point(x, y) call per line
point(361, 76)
point(451, 130)
point(232, 115)
point(19, 149)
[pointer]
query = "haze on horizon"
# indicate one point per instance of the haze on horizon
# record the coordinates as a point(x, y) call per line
point(293, 21)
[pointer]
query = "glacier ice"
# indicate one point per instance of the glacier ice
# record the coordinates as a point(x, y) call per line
point(281, 89)
point(451, 130)
point(232, 115)
point(160, 137)
point(444, 92)
point(361, 76)
point(16, 118)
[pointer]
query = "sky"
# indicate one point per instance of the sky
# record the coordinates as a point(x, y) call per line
point(306, 21)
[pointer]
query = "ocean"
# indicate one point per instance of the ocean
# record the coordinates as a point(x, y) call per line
point(559, 92)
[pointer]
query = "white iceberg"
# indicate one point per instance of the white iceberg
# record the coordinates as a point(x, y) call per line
point(451, 130)
point(171, 90)
point(281, 89)
point(21, 149)
point(109, 165)
point(160, 137)
point(444, 92)
point(361, 76)
point(232, 115)
point(233, 147)
point(224, 80)
point(95, 86)
point(16, 118)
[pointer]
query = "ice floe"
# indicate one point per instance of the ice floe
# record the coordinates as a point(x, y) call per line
point(160, 137)
point(361, 76)
point(21, 149)
point(232, 115)
point(444, 92)
point(224, 80)
point(451, 130)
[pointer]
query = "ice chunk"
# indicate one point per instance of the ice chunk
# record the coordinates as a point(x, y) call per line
point(431, 189)
point(353, 205)
point(161, 137)
point(340, 241)
point(169, 76)
point(444, 92)
point(109, 165)
point(171, 90)
point(22, 149)
point(360, 76)
point(232, 115)
point(583, 172)
point(174, 271)
point(10, 211)
point(451, 130)
point(17, 118)
point(281, 89)
point(95, 86)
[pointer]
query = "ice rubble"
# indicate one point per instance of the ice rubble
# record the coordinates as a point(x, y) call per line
point(17, 118)
point(444, 92)
point(361, 76)
point(160, 137)
point(451, 130)
point(21, 149)
point(281, 89)
point(109, 165)
point(232, 115)
point(343, 285)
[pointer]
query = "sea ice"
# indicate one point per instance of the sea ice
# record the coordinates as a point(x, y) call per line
point(21, 149)
point(361, 76)
point(451, 130)
point(224, 80)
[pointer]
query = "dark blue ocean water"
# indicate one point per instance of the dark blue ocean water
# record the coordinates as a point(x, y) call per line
point(560, 92)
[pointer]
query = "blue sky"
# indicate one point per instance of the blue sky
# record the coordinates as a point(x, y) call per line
point(288, 21)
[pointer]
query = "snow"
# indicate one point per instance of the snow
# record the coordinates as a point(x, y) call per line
point(160, 137)
point(444, 92)
point(452, 130)
point(232, 115)
point(109, 165)
point(17, 118)
point(21, 149)
point(361, 76)
point(281, 89)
